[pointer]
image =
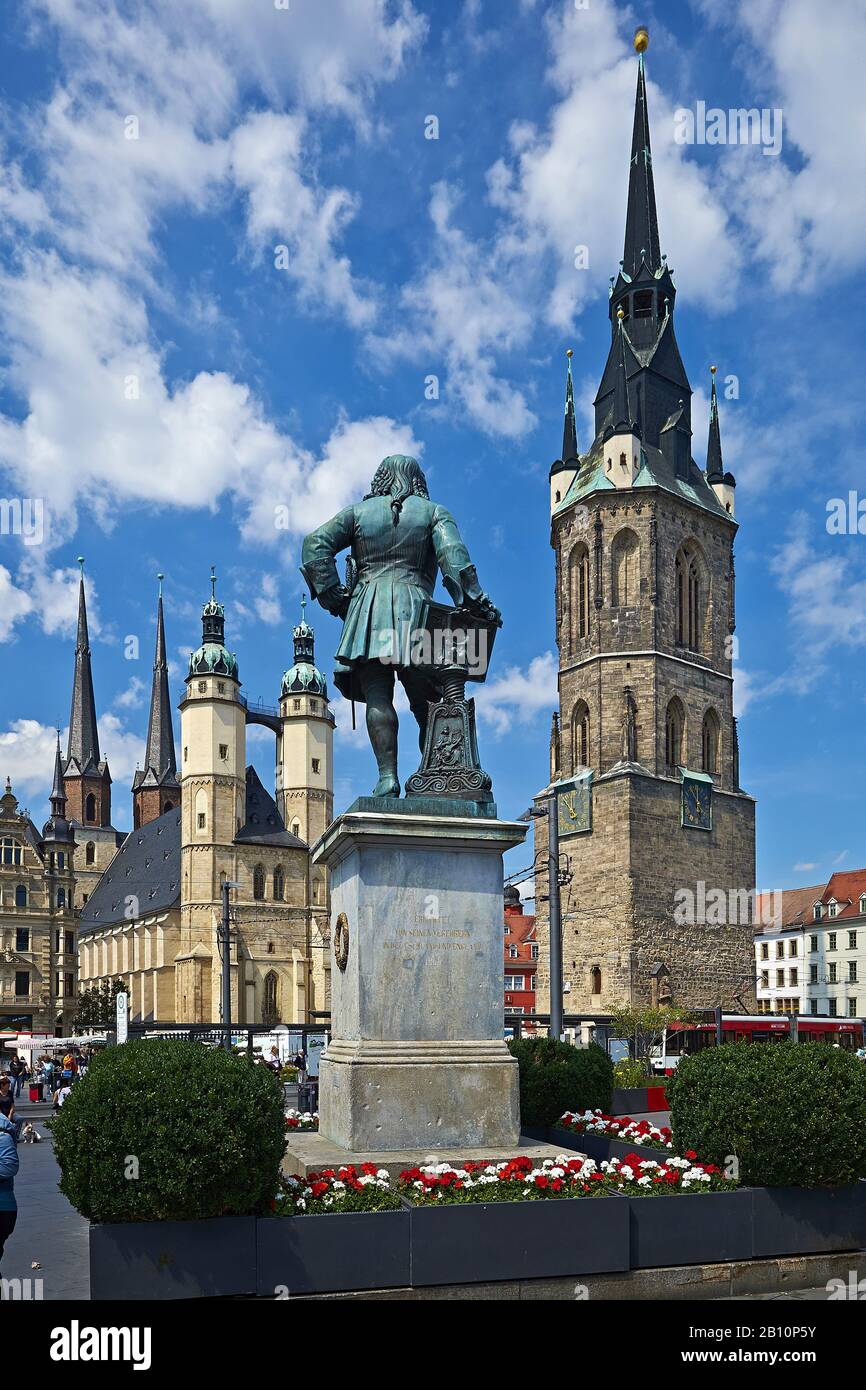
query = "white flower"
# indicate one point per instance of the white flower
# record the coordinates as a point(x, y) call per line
point(383, 1173)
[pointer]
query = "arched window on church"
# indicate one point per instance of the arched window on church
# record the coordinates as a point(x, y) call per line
point(710, 742)
point(580, 744)
point(271, 999)
point(674, 725)
point(578, 593)
point(595, 980)
point(20, 895)
point(279, 883)
point(625, 570)
point(692, 591)
point(90, 808)
point(90, 852)
point(296, 828)
point(258, 881)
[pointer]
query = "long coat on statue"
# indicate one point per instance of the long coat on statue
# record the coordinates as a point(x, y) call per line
point(393, 575)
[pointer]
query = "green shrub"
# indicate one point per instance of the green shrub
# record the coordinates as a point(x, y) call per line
point(793, 1114)
point(628, 1073)
point(555, 1077)
point(170, 1131)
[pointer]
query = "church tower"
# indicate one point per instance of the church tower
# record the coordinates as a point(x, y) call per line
point(305, 744)
point(155, 788)
point(658, 835)
point(213, 808)
point(86, 778)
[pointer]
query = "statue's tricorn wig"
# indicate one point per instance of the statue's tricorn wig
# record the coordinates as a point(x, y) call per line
point(398, 477)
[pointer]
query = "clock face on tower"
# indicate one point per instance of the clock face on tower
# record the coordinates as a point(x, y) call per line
point(574, 806)
point(697, 803)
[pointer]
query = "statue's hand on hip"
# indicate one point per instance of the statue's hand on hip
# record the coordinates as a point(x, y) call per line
point(335, 600)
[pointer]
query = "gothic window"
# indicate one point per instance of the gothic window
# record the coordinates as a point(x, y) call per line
point(710, 742)
point(578, 593)
point(279, 883)
point(11, 851)
point(20, 895)
point(692, 588)
point(258, 881)
point(580, 746)
point(296, 828)
point(89, 852)
point(625, 570)
point(595, 980)
point(61, 897)
point(674, 725)
point(90, 808)
point(270, 1001)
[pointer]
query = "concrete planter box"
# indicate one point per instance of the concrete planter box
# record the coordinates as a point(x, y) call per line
point(599, 1147)
point(498, 1241)
point(690, 1228)
point(334, 1253)
point(638, 1100)
point(809, 1220)
point(173, 1259)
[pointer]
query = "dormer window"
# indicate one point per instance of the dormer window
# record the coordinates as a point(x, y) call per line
point(832, 909)
point(643, 304)
point(863, 902)
point(816, 912)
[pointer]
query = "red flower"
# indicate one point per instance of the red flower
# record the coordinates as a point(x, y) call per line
point(689, 1153)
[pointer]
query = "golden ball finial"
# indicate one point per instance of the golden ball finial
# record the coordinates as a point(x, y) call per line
point(714, 370)
point(641, 39)
point(569, 352)
point(620, 313)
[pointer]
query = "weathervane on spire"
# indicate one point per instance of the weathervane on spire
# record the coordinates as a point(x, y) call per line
point(213, 581)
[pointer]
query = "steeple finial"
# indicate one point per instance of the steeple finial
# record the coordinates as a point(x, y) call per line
point(83, 733)
point(641, 224)
point(715, 470)
point(569, 430)
point(213, 581)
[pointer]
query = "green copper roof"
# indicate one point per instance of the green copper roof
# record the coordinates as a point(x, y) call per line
point(304, 679)
point(654, 472)
point(212, 658)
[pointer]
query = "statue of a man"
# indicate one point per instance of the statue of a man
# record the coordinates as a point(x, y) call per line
point(398, 539)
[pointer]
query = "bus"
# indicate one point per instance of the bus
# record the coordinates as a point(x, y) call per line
point(682, 1039)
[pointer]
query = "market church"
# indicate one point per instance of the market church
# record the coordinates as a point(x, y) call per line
point(645, 739)
point(150, 909)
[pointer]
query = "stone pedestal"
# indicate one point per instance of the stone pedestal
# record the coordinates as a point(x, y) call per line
point(417, 1058)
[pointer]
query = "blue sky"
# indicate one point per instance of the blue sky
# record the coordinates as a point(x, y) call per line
point(165, 386)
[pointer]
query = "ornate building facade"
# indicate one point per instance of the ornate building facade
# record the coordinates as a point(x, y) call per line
point(645, 742)
point(37, 921)
point(155, 916)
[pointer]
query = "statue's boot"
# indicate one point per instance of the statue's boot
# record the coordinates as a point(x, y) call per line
point(387, 785)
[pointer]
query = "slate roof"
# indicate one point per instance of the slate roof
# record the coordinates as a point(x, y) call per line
point(264, 825)
point(147, 867)
point(160, 764)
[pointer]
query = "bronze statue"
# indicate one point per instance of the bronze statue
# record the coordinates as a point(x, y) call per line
point(398, 539)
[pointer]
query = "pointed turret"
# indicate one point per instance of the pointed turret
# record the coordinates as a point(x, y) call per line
point(623, 422)
point(304, 677)
point(83, 746)
point(722, 483)
point(87, 781)
point(212, 656)
point(155, 788)
point(641, 222)
point(563, 470)
point(642, 299)
point(57, 829)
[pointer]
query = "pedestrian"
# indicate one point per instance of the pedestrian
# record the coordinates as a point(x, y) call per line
point(17, 1071)
point(62, 1094)
point(9, 1132)
point(48, 1075)
point(301, 1063)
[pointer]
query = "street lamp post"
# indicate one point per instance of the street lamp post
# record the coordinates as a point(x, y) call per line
point(545, 804)
point(225, 938)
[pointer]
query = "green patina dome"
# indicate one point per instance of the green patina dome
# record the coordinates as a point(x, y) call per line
point(213, 659)
point(304, 679)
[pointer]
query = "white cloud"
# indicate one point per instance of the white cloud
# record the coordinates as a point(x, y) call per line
point(27, 756)
point(15, 604)
point(519, 694)
point(804, 868)
point(133, 696)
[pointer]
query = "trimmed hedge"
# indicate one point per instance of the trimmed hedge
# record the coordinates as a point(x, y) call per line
point(170, 1131)
point(793, 1114)
point(555, 1077)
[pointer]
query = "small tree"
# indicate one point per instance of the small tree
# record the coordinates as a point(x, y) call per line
point(97, 1006)
point(643, 1028)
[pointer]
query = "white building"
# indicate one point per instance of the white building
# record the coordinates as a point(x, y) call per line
point(812, 959)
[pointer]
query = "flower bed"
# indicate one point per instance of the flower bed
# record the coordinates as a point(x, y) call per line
point(302, 1119)
point(337, 1190)
point(635, 1176)
point(515, 1180)
point(617, 1127)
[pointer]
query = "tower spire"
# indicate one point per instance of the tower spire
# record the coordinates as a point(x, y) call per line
point(58, 790)
point(156, 785)
point(83, 745)
point(715, 470)
point(641, 224)
point(569, 430)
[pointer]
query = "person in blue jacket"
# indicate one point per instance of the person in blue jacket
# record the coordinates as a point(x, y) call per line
point(9, 1132)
